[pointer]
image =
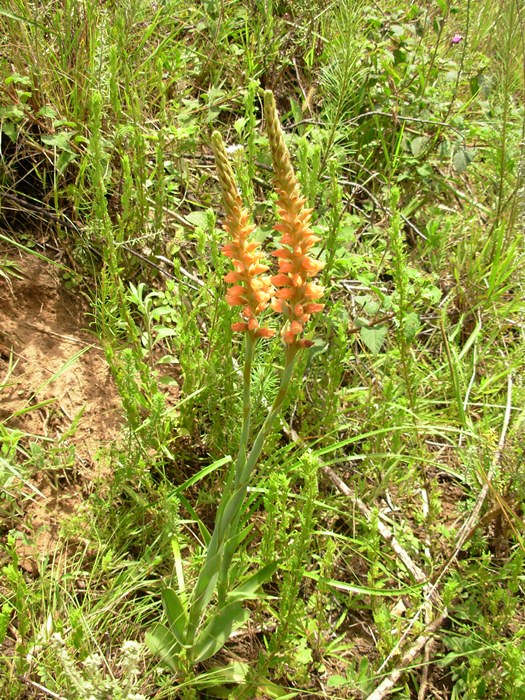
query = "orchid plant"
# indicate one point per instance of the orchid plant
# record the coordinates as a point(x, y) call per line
point(200, 624)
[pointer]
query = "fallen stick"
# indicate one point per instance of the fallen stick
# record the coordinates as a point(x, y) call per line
point(386, 533)
point(406, 660)
point(466, 530)
point(470, 524)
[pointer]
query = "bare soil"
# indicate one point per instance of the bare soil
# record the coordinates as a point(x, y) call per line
point(55, 387)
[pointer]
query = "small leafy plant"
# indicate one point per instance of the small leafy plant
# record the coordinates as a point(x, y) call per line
point(92, 681)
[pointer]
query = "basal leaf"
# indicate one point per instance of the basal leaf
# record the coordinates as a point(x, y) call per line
point(176, 613)
point(161, 642)
point(218, 630)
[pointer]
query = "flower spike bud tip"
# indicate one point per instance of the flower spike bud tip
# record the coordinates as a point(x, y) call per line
point(296, 295)
point(251, 289)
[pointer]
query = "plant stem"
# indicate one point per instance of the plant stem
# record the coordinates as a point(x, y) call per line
point(223, 544)
point(249, 350)
point(255, 452)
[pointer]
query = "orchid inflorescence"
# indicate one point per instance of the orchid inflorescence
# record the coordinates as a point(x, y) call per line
point(251, 288)
point(290, 292)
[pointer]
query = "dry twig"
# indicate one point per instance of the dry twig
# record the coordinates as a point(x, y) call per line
point(386, 533)
point(389, 682)
point(468, 527)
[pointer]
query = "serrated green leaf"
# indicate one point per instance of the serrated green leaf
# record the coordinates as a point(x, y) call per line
point(462, 159)
point(160, 311)
point(59, 140)
point(167, 381)
point(368, 303)
point(12, 111)
point(411, 326)
point(46, 111)
point(64, 159)
point(9, 129)
point(432, 294)
point(444, 149)
point(18, 79)
point(163, 332)
point(168, 360)
point(398, 30)
point(198, 219)
point(360, 322)
point(5, 616)
point(337, 682)
point(374, 338)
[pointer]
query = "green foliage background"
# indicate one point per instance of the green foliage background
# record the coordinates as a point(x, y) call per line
point(406, 126)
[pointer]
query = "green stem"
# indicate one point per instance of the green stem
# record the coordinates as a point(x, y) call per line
point(263, 433)
point(247, 406)
point(251, 461)
point(222, 545)
point(249, 350)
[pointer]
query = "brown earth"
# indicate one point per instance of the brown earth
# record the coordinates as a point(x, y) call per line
point(55, 387)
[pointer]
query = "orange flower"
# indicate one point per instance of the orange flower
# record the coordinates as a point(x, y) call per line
point(296, 296)
point(251, 289)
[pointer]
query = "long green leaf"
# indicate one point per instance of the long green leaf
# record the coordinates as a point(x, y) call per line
point(202, 473)
point(176, 613)
point(228, 550)
point(161, 642)
point(248, 588)
point(217, 632)
point(205, 586)
point(362, 590)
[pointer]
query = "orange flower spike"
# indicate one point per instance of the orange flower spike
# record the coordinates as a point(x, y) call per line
point(295, 292)
point(251, 290)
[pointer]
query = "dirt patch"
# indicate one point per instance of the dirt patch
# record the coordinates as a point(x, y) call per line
point(55, 387)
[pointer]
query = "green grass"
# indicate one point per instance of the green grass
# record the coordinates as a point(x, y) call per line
point(410, 150)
